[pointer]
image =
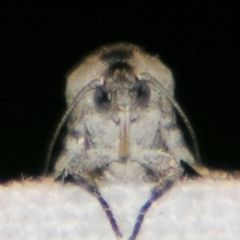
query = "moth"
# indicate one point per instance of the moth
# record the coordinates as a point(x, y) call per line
point(121, 125)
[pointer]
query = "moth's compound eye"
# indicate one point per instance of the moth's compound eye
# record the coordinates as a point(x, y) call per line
point(143, 92)
point(101, 98)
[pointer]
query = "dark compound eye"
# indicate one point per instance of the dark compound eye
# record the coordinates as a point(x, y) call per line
point(101, 98)
point(143, 92)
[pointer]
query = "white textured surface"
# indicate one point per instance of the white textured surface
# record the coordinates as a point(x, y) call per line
point(200, 209)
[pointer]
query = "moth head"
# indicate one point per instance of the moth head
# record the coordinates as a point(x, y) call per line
point(121, 88)
point(120, 66)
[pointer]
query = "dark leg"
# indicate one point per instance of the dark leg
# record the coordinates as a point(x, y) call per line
point(94, 190)
point(108, 212)
point(156, 193)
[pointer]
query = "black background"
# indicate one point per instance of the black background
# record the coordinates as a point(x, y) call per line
point(40, 41)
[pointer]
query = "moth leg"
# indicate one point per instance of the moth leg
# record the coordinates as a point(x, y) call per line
point(85, 165)
point(156, 193)
point(79, 159)
point(161, 163)
point(109, 213)
point(93, 189)
point(168, 170)
point(100, 157)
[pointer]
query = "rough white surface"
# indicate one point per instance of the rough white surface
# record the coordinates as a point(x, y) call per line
point(200, 209)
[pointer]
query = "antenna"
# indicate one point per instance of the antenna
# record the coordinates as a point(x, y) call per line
point(93, 84)
point(181, 114)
